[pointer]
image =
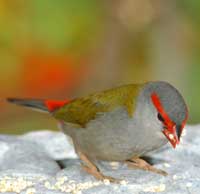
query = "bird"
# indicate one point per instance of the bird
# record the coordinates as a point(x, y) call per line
point(120, 124)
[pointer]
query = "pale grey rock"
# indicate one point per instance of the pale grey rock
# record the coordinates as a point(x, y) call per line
point(57, 145)
point(29, 161)
point(4, 148)
point(24, 156)
point(8, 193)
point(40, 190)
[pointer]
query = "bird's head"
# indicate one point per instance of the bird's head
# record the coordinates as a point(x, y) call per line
point(171, 111)
point(172, 128)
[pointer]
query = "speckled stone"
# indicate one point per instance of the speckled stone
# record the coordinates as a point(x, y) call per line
point(28, 165)
point(28, 157)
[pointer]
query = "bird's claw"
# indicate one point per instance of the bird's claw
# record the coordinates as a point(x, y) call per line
point(98, 175)
point(141, 164)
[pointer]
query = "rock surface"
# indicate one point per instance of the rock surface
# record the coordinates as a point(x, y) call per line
point(29, 165)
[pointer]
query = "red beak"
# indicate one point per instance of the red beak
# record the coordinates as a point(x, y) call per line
point(171, 135)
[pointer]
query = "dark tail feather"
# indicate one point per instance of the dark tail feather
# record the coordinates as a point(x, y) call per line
point(29, 103)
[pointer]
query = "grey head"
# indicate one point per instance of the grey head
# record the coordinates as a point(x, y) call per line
point(164, 105)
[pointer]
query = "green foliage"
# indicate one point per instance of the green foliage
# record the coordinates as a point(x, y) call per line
point(191, 8)
point(61, 24)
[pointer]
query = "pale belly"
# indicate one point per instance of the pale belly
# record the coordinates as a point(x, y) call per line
point(114, 138)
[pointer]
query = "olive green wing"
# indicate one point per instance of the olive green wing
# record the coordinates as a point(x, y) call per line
point(81, 110)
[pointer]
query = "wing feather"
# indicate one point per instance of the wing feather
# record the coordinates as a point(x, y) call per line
point(81, 110)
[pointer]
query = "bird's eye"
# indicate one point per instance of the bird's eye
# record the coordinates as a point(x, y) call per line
point(161, 118)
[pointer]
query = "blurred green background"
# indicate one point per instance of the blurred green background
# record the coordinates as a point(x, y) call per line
point(67, 48)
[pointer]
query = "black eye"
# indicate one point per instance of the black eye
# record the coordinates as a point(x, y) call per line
point(161, 118)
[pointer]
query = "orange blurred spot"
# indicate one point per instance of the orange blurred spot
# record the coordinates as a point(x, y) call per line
point(44, 75)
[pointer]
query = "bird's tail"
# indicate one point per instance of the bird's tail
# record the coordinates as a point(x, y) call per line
point(40, 105)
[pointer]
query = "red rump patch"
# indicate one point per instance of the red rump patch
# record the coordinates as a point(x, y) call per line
point(55, 104)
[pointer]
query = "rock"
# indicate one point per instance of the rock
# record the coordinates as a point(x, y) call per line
point(28, 166)
point(57, 145)
point(23, 156)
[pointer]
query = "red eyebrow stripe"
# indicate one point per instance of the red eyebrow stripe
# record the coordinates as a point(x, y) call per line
point(156, 101)
point(55, 104)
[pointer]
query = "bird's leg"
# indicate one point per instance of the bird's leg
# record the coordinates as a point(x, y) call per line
point(92, 169)
point(142, 164)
